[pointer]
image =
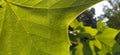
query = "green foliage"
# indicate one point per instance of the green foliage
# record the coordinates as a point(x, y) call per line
point(38, 27)
point(79, 49)
point(112, 13)
point(116, 49)
point(102, 38)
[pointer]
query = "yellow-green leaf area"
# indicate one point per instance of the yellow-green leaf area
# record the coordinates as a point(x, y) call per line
point(91, 31)
point(38, 27)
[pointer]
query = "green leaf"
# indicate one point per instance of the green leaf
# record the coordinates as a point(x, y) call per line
point(91, 31)
point(51, 4)
point(108, 36)
point(75, 24)
point(101, 25)
point(97, 43)
point(116, 48)
point(79, 49)
point(83, 49)
point(91, 44)
point(38, 27)
point(83, 35)
point(0, 3)
point(107, 39)
point(105, 49)
point(87, 49)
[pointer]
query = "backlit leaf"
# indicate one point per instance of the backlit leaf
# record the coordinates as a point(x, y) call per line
point(97, 43)
point(91, 44)
point(38, 27)
point(91, 31)
point(107, 39)
point(105, 49)
point(108, 36)
point(79, 49)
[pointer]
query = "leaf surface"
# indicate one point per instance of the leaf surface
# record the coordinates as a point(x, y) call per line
point(107, 39)
point(108, 36)
point(91, 31)
point(97, 43)
point(91, 44)
point(116, 49)
point(38, 27)
point(79, 49)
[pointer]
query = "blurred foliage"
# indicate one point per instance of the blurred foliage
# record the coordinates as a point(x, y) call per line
point(92, 41)
point(112, 13)
point(91, 37)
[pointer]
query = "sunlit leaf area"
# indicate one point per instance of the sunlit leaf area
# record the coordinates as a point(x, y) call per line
point(59, 27)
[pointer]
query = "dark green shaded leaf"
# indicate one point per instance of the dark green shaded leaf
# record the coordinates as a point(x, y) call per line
point(116, 49)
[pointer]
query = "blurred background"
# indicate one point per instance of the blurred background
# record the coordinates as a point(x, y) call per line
point(107, 11)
